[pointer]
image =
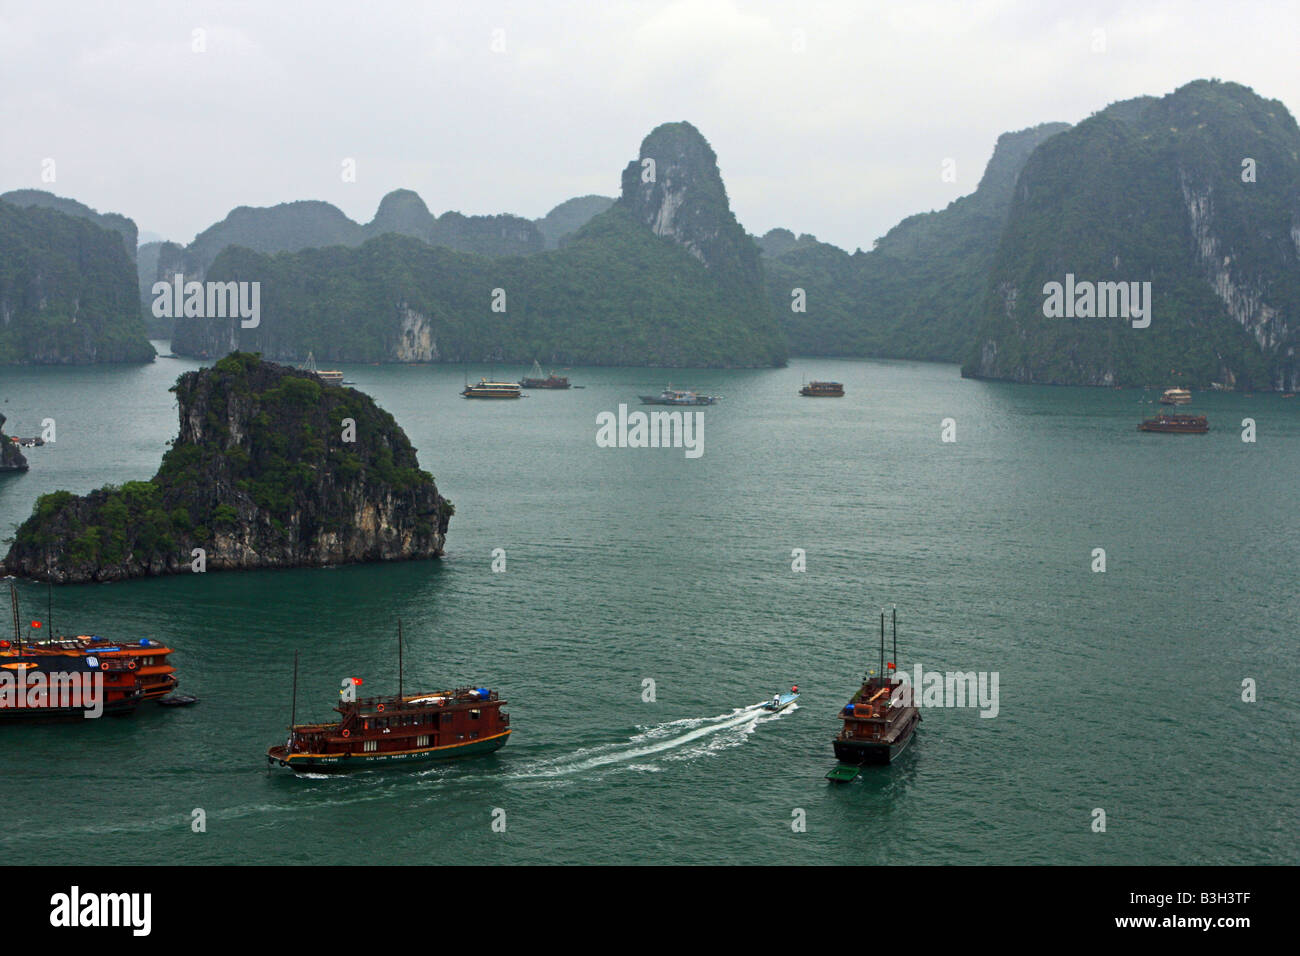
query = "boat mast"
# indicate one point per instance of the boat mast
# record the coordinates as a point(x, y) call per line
point(13, 601)
point(293, 713)
point(399, 658)
point(895, 658)
point(881, 672)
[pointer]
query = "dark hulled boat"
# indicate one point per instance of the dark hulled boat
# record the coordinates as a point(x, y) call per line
point(400, 729)
point(877, 728)
point(536, 381)
point(1176, 424)
point(823, 390)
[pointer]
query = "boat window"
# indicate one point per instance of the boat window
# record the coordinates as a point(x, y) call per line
point(475, 714)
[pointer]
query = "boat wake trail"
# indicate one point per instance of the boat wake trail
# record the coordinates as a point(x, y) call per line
point(683, 739)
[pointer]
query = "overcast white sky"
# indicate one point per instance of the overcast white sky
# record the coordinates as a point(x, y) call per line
point(841, 139)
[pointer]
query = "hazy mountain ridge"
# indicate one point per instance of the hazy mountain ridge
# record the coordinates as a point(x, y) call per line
point(615, 293)
point(112, 221)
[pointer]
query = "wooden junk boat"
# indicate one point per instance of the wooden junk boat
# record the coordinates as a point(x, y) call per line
point(131, 671)
point(1176, 424)
point(823, 390)
point(877, 728)
point(535, 380)
point(401, 729)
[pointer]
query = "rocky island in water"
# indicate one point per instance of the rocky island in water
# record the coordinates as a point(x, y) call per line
point(11, 458)
point(271, 469)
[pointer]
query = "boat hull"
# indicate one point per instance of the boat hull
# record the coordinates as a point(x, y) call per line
point(875, 751)
point(651, 400)
point(346, 763)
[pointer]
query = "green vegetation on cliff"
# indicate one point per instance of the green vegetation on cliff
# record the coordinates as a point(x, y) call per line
point(68, 291)
point(918, 292)
point(271, 469)
point(112, 221)
point(1197, 193)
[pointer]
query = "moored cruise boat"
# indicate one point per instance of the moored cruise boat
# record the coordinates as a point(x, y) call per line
point(823, 390)
point(1176, 424)
point(485, 389)
point(1176, 396)
point(42, 687)
point(132, 671)
point(148, 659)
point(877, 728)
point(673, 396)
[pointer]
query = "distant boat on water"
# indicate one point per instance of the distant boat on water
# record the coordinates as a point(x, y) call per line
point(1176, 424)
point(485, 389)
point(535, 380)
point(1176, 396)
point(823, 390)
point(672, 396)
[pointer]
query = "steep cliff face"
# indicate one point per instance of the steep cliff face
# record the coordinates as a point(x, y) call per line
point(270, 469)
point(68, 292)
point(11, 457)
point(1194, 193)
point(674, 187)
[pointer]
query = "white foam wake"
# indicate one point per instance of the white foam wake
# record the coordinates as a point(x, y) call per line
point(682, 739)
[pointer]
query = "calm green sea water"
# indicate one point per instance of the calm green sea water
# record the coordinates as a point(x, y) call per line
point(1119, 691)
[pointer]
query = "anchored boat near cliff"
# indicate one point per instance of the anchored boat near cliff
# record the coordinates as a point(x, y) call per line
point(823, 390)
point(399, 729)
point(877, 728)
point(1176, 396)
point(327, 376)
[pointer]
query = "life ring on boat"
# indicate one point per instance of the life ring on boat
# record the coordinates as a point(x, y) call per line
point(381, 708)
point(104, 666)
point(347, 733)
point(130, 665)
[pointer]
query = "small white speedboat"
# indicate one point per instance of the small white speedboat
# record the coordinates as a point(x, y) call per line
point(780, 702)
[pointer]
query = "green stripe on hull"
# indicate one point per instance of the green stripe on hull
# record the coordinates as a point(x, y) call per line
point(344, 763)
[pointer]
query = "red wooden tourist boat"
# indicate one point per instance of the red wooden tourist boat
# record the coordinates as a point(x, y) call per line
point(400, 729)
